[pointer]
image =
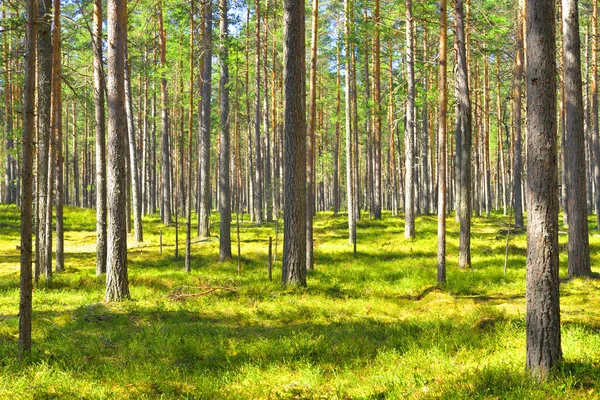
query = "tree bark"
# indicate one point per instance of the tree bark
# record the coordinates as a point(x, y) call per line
point(166, 155)
point(441, 252)
point(595, 130)
point(117, 285)
point(224, 157)
point(44, 89)
point(204, 215)
point(579, 248)
point(463, 140)
point(350, 186)
point(500, 140)
point(336, 151)
point(57, 127)
point(190, 163)
point(76, 180)
point(392, 125)
point(268, 183)
point(518, 164)
point(294, 217)
point(487, 189)
point(51, 170)
point(377, 195)
point(409, 139)
point(543, 310)
point(99, 87)
point(425, 136)
point(310, 162)
point(257, 192)
point(26, 284)
point(136, 190)
point(10, 195)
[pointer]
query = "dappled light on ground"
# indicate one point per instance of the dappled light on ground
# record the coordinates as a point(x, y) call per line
point(372, 325)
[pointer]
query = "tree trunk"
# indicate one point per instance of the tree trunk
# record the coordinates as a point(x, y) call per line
point(391, 125)
point(257, 192)
point(117, 286)
point(595, 130)
point(99, 87)
point(409, 139)
point(135, 187)
point(377, 99)
point(144, 110)
point(76, 184)
point(355, 142)
point(487, 189)
point(166, 155)
point(275, 182)
point(224, 157)
point(463, 140)
point(57, 126)
point(500, 140)
point(350, 187)
point(424, 143)
point(543, 310)
point(190, 163)
point(369, 199)
point(9, 173)
point(336, 151)
point(579, 249)
point(44, 89)
point(26, 285)
point(268, 183)
point(204, 215)
point(441, 252)
point(294, 226)
point(518, 164)
point(153, 172)
point(51, 172)
point(310, 162)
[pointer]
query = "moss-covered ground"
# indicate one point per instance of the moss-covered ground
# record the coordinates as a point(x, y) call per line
point(373, 325)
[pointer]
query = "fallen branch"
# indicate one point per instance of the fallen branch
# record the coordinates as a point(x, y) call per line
point(179, 295)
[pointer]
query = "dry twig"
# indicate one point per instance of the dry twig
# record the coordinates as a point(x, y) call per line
point(181, 293)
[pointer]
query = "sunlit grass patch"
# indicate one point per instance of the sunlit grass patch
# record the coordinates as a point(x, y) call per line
point(370, 325)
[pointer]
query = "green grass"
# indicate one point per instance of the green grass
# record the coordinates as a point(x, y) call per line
point(370, 326)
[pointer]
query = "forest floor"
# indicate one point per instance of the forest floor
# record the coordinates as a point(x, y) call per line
point(372, 325)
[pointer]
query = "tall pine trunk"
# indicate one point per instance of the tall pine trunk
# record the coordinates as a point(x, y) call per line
point(350, 186)
point(257, 187)
point(204, 214)
point(409, 138)
point(294, 212)
point(377, 188)
point(190, 160)
point(579, 248)
point(136, 190)
point(543, 310)
point(26, 284)
point(99, 87)
point(463, 140)
point(441, 252)
point(117, 285)
point(165, 150)
point(44, 89)
point(336, 150)
point(58, 128)
point(310, 148)
point(224, 157)
point(595, 130)
point(518, 164)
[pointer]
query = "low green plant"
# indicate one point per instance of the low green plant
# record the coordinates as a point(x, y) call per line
point(370, 326)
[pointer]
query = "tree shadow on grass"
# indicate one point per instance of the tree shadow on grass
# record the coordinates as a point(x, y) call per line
point(106, 339)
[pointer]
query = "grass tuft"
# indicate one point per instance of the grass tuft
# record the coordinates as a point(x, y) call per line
point(370, 326)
